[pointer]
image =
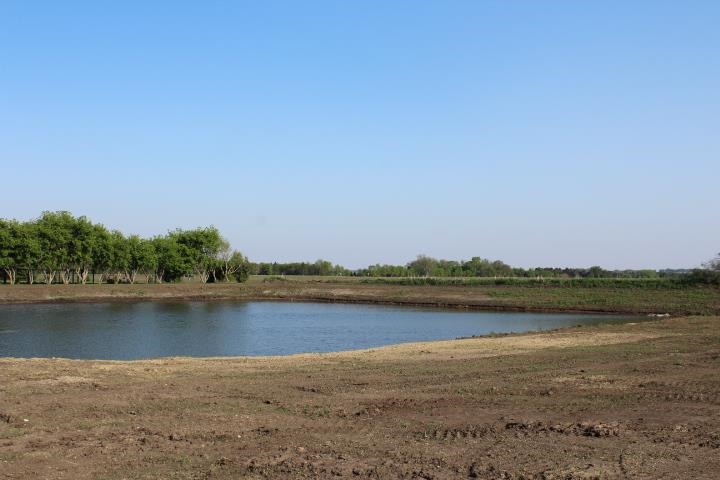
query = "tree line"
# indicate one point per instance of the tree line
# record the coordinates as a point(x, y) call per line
point(424, 268)
point(58, 247)
point(319, 267)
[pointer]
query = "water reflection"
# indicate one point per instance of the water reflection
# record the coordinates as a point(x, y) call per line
point(156, 329)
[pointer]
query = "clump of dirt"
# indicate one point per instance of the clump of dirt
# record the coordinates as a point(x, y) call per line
point(586, 429)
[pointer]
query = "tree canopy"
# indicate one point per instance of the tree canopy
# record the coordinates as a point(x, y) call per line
point(59, 247)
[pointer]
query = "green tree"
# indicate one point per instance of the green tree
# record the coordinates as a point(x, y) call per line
point(102, 259)
point(81, 247)
point(323, 267)
point(173, 259)
point(422, 266)
point(596, 272)
point(229, 262)
point(385, 271)
point(9, 248)
point(62, 248)
point(28, 250)
point(54, 231)
point(119, 257)
point(203, 245)
point(141, 258)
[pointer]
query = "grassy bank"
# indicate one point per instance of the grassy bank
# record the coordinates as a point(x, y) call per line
point(628, 298)
point(613, 401)
point(533, 282)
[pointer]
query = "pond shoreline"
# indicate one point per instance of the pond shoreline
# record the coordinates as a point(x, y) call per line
point(309, 299)
point(475, 298)
point(580, 402)
point(137, 330)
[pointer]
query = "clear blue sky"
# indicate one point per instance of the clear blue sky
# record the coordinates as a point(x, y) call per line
point(559, 133)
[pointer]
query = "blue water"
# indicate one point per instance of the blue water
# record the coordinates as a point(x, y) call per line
point(125, 331)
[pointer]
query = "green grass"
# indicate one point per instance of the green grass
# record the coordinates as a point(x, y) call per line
point(529, 282)
point(686, 301)
point(620, 295)
point(628, 295)
point(478, 281)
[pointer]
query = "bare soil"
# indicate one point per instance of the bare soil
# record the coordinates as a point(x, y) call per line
point(614, 401)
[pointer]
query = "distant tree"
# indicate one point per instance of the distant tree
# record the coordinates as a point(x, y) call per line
point(446, 268)
point(709, 274)
point(482, 267)
point(264, 268)
point(385, 271)
point(241, 268)
point(596, 272)
point(322, 267)
point(501, 269)
point(422, 266)
point(713, 264)
point(228, 262)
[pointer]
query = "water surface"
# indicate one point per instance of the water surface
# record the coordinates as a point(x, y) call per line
point(124, 331)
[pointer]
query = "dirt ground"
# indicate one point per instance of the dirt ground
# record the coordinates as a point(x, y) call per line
point(622, 401)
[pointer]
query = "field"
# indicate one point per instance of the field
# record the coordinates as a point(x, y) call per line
point(611, 401)
point(626, 297)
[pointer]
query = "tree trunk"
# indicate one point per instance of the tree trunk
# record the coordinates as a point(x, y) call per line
point(31, 276)
point(230, 270)
point(225, 271)
point(11, 274)
point(65, 276)
point(49, 276)
point(82, 275)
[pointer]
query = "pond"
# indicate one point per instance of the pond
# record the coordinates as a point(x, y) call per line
point(123, 331)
